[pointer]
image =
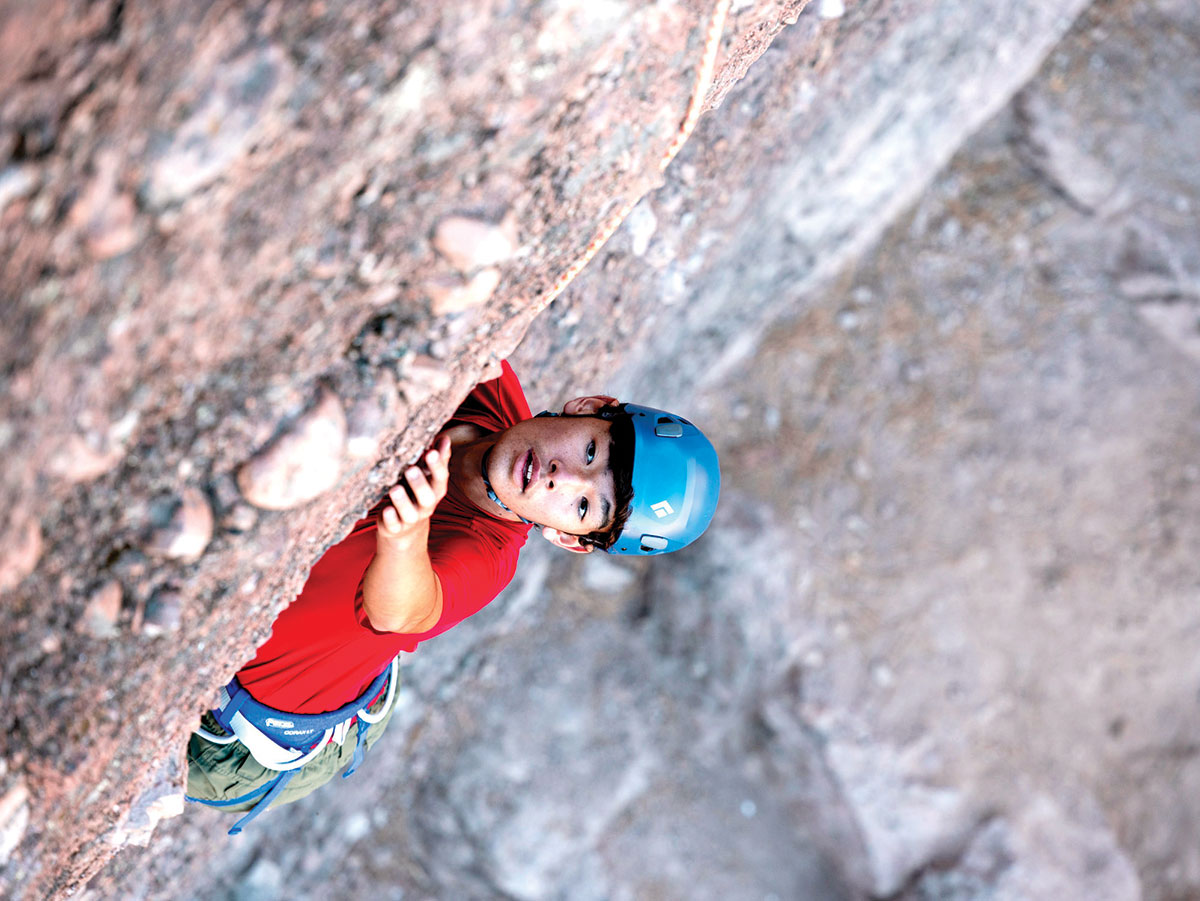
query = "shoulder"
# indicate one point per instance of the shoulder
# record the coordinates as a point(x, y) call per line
point(494, 404)
point(462, 433)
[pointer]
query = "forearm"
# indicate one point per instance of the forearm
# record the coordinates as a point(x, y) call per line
point(401, 592)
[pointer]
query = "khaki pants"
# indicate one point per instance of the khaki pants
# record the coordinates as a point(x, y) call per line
point(224, 772)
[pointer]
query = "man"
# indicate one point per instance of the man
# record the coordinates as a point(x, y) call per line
point(622, 478)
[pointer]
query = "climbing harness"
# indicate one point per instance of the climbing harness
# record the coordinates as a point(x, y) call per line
point(285, 742)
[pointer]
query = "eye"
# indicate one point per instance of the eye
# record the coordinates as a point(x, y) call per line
point(583, 508)
point(591, 451)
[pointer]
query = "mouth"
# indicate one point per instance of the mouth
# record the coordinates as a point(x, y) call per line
point(528, 469)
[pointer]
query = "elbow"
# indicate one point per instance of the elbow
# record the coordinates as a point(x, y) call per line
point(408, 622)
point(402, 625)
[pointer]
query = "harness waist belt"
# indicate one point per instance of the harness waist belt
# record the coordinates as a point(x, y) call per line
point(284, 741)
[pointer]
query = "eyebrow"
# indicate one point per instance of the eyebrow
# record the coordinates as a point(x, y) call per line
point(605, 506)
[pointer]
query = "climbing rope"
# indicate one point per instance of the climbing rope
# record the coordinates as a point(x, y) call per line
point(712, 42)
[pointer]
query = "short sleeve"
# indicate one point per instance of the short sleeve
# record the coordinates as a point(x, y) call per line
point(472, 571)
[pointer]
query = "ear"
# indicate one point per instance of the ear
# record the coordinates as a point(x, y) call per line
point(566, 541)
point(581, 406)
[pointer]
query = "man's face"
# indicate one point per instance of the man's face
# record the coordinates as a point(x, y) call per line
point(555, 472)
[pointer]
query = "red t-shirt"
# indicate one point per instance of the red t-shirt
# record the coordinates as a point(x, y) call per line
point(322, 652)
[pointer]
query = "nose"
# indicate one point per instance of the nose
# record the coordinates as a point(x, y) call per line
point(563, 476)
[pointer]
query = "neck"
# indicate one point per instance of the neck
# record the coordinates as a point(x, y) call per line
point(466, 473)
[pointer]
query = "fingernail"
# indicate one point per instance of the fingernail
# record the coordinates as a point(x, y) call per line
point(433, 456)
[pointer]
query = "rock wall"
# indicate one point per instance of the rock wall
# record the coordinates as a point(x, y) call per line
point(252, 257)
point(689, 738)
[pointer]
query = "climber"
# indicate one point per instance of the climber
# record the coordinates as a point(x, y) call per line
point(318, 693)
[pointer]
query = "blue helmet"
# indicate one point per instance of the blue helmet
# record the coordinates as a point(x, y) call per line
point(676, 480)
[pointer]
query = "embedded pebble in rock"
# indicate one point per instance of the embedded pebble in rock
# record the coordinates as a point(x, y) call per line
point(104, 213)
point(189, 531)
point(14, 819)
point(78, 460)
point(99, 618)
point(424, 377)
point(447, 296)
point(831, 9)
point(239, 518)
point(161, 801)
point(301, 463)
point(374, 417)
point(15, 183)
point(233, 108)
point(114, 231)
point(21, 553)
point(473, 243)
point(164, 613)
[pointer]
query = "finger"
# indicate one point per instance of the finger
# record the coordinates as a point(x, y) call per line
point(439, 454)
point(391, 522)
point(439, 464)
point(403, 504)
point(419, 485)
point(439, 473)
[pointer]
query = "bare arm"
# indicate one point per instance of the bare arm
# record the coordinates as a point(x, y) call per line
point(401, 592)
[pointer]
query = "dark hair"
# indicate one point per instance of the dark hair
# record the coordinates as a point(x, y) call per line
point(620, 462)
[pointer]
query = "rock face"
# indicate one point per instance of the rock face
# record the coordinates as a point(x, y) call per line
point(836, 695)
point(212, 216)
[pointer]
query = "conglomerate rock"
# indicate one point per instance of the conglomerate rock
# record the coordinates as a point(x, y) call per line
point(326, 272)
point(212, 215)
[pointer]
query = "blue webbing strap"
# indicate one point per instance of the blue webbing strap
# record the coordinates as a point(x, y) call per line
point(360, 746)
point(237, 697)
point(253, 793)
point(277, 786)
point(241, 700)
point(303, 726)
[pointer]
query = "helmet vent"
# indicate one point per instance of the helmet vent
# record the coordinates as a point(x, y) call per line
point(667, 428)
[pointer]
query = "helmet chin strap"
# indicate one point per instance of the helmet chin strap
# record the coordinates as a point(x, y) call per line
point(487, 484)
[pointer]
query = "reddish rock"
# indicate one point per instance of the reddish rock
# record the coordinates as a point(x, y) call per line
point(469, 244)
point(424, 377)
point(15, 183)
point(374, 417)
point(454, 296)
point(105, 214)
point(301, 463)
point(79, 459)
point(163, 614)
point(20, 552)
point(189, 531)
point(239, 518)
point(14, 819)
point(231, 105)
point(103, 609)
